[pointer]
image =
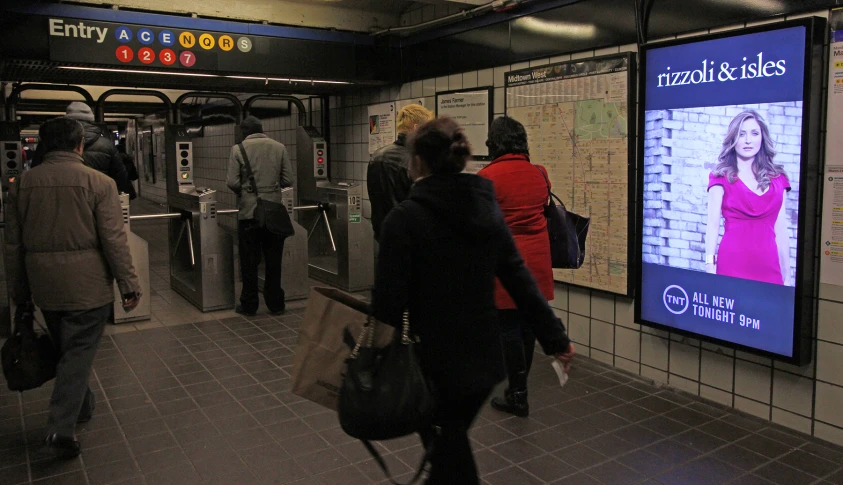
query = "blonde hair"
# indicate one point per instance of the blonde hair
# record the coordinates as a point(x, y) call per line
point(412, 115)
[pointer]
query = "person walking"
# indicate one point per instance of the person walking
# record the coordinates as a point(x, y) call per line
point(66, 246)
point(521, 190)
point(272, 171)
point(99, 152)
point(387, 178)
point(440, 252)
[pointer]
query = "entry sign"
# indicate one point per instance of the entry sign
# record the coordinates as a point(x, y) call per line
point(73, 40)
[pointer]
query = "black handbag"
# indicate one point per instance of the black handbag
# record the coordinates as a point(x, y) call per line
point(385, 394)
point(29, 360)
point(567, 232)
point(270, 215)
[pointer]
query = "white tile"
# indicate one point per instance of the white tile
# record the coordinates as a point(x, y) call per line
point(455, 81)
point(752, 407)
point(582, 55)
point(469, 79)
point(754, 358)
point(429, 87)
point(792, 421)
point(828, 402)
point(578, 329)
point(628, 343)
point(406, 91)
point(658, 376)
point(831, 292)
point(601, 356)
point(603, 307)
point(629, 48)
point(520, 65)
point(683, 384)
point(654, 351)
point(718, 349)
point(716, 395)
point(830, 363)
point(625, 312)
point(560, 297)
point(773, 20)
point(602, 336)
point(828, 433)
point(717, 370)
point(539, 62)
point(486, 77)
point(753, 381)
point(830, 321)
point(793, 393)
point(627, 365)
point(500, 97)
point(562, 58)
point(416, 89)
point(499, 76)
point(579, 301)
point(606, 51)
point(441, 84)
point(685, 361)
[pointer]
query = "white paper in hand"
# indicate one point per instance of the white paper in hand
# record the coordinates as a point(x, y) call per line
point(560, 372)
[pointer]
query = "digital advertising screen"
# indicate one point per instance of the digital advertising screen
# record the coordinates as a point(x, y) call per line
point(725, 179)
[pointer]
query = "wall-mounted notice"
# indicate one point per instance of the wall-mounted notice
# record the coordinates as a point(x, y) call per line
point(831, 254)
point(728, 172)
point(472, 109)
point(577, 116)
point(381, 125)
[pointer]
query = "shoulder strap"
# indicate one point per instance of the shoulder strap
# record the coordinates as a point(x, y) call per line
point(249, 172)
point(547, 181)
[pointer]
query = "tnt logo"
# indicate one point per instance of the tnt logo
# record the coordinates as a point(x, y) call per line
point(675, 299)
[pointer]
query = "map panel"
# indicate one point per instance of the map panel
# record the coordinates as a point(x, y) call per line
point(577, 120)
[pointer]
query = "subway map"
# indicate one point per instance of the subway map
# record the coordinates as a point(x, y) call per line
point(577, 121)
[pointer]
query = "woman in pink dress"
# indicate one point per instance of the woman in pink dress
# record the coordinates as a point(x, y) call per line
point(748, 189)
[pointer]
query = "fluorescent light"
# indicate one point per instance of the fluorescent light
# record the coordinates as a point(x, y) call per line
point(570, 30)
point(283, 79)
point(138, 71)
point(256, 78)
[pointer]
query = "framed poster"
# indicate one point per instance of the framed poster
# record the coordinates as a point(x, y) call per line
point(381, 126)
point(578, 117)
point(473, 110)
point(728, 191)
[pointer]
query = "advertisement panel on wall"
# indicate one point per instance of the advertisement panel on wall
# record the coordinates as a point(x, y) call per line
point(728, 188)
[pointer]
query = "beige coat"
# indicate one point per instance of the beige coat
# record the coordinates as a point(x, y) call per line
point(66, 246)
point(271, 167)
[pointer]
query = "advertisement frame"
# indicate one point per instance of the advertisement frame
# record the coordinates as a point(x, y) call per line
point(490, 102)
point(807, 250)
point(632, 162)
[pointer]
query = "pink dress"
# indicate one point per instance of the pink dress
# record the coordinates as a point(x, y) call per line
point(748, 249)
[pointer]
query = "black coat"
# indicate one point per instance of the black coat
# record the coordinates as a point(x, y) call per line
point(388, 180)
point(440, 252)
point(100, 154)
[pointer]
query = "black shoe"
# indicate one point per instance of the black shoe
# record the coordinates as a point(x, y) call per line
point(512, 403)
point(243, 312)
point(278, 312)
point(60, 447)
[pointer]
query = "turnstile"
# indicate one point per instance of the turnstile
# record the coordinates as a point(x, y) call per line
point(10, 167)
point(139, 249)
point(294, 278)
point(201, 254)
point(340, 239)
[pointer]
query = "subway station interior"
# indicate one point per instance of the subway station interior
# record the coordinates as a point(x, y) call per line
point(716, 382)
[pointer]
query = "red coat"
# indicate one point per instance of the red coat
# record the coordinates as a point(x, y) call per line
point(521, 191)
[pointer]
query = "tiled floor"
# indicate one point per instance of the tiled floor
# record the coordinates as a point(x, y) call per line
point(208, 402)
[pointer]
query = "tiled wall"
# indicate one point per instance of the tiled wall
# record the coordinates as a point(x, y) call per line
point(806, 399)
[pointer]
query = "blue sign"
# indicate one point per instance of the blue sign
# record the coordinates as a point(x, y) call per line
point(146, 36)
point(166, 38)
point(765, 67)
point(123, 34)
point(746, 312)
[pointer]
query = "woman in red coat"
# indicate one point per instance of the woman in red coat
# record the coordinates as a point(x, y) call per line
point(521, 189)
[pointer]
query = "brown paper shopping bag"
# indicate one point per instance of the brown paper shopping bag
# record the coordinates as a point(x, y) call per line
point(323, 347)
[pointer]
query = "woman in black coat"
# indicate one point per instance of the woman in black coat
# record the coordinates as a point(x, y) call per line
point(440, 252)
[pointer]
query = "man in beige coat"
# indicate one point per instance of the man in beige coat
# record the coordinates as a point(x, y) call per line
point(66, 246)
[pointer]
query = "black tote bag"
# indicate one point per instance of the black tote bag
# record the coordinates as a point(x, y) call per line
point(567, 232)
point(29, 360)
point(270, 215)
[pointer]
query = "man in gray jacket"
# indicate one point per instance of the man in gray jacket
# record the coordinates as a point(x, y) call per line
point(66, 246)
point(272, 171)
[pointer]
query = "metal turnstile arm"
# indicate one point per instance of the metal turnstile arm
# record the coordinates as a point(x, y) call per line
point(190, 242)
point(328, 226)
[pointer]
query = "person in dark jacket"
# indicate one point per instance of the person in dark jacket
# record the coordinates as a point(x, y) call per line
point(387, 179)
point(440, 252)
point(522, 190)
point(100, 152)
point(128, 161)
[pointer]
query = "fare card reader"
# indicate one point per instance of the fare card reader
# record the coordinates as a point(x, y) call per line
point(201, 254)
point(139, 249)
point(313, 167)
